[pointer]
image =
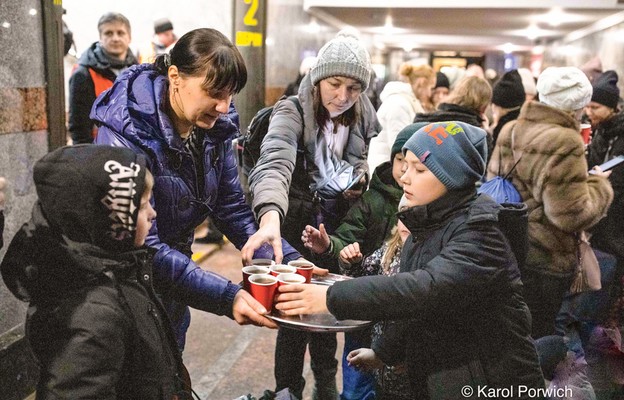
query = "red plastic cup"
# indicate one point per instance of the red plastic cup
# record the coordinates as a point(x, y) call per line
point(289, 279)
point(277, 269)
point(586, 132)
point(250, 270)
point(304, 268)
point(262, 287)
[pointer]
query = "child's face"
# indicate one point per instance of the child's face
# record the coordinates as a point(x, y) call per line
point(144, 221)
point(398, 168)
point(420, 185)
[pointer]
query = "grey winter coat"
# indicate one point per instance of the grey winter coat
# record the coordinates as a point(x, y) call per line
point(271, 179)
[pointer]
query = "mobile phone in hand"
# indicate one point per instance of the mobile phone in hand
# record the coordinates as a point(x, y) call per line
point(355, 180)
point(609, 164)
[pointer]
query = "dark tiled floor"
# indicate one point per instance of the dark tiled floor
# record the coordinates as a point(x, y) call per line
point(226, 360)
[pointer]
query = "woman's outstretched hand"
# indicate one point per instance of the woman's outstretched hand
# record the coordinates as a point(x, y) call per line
point(270, 233)
point(247, 310)
point(302, 299)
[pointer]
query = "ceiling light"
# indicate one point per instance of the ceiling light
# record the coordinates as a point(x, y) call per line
point(388, 24)
point(508, 48)
point(445, 53)
point(555, 16)
point(533, 32)
point(32, 11)
point(537, 50)
point(407, 47)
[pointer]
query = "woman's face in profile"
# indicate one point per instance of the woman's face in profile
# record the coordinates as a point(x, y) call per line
point(598, 113)
point(339, 93)
point(200, 108)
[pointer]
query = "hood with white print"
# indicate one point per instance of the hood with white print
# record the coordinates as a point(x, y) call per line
point(92, 194)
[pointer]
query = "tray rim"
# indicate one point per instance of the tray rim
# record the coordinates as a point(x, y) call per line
point(303, 326)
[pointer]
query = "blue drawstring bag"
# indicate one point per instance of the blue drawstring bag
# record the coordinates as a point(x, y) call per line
point(501, 190)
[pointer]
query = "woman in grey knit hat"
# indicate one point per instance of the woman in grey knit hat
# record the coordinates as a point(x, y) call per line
point(312, 167)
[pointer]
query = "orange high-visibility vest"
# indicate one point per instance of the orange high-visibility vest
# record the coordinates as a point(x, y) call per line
point(100, 84)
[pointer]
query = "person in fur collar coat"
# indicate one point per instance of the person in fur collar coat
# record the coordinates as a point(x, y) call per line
point(551, 176)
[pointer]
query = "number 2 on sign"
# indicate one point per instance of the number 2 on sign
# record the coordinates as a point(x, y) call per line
point(250, 16)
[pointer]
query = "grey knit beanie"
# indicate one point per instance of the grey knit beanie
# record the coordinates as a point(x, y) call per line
point(455, 152)
point(344, 55)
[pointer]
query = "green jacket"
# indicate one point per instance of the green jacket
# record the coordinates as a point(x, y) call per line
point(372, 218)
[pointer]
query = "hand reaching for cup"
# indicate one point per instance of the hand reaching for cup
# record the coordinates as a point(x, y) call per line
point(364, 359)
point(269, 232)
point(302, 299)
point(317, 240)
point(351, 254)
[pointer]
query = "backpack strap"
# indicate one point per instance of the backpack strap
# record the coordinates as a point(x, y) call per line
point(517, 155)
point(301, 160)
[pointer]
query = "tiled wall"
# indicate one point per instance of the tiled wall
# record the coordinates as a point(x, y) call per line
point(23, 140)
point(289, 42)
point(23, 123)
point(608, 45)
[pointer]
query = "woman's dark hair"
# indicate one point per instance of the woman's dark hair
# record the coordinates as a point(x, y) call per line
point(321, 115)
point(207, 52)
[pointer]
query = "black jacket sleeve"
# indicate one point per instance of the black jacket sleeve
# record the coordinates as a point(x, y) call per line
point(461, 274)
point(390, 348)
point(81, 99)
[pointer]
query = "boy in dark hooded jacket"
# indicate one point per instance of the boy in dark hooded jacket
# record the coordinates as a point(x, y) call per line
point(94, 323)
point(464, 329)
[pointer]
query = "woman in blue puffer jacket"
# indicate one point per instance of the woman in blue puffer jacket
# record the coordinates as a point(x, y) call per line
point(178, 112)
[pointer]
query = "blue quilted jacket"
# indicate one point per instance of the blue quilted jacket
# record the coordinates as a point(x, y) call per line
point(132, 114)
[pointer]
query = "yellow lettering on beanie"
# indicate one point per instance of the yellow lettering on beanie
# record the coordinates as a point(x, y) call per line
point(453, 128)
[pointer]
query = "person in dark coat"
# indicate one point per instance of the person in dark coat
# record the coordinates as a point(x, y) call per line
point(608, 142)
point(96, 71)
point(507, 98)
point(178, 113)
point(94, 322)
point(293, 87)
point(441, 90)
point(459, 293)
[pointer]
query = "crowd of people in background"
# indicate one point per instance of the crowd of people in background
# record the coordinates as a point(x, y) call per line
point(386, 193)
